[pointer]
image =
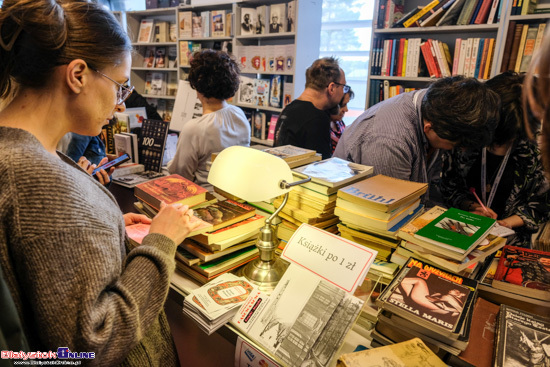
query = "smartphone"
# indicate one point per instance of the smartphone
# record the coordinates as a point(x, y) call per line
point(115, 162)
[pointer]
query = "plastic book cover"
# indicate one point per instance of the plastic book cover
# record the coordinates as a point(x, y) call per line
point(334, 171)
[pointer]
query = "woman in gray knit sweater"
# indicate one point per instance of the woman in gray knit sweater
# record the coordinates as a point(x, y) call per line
point(64, 67)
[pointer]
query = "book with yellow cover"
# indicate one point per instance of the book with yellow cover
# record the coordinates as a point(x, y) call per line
point(382, 193)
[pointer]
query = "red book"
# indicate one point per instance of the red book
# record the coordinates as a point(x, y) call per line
point(400, 57)
point(433, 54)
point(170, 189)
point(428, 58)
point(483, 12)
point(524, 271)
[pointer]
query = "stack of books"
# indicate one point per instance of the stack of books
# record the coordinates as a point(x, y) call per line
point(374, 209)
point(225, 238)
point(314, 202)
point(428, 302)
point(454, 239)
point(216, 302)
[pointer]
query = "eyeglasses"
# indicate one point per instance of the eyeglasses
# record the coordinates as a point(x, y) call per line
point(345, 87)
point(122, 93)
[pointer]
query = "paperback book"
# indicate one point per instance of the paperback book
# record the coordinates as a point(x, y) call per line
point(524, 271)
point(244, 227)
point(430, 296)
point(457, 230)
point(224, 213)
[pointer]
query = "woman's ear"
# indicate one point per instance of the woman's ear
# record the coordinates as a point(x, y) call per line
point(76, 75)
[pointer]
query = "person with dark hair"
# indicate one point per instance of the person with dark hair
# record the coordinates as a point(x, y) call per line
point(507, 174)
point(215, 77)
point(401, 137)
point(305, 122)
point(337, 125)
point(64, 67)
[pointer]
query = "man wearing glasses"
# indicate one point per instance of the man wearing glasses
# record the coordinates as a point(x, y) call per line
point(401, 137)
point(305, 122)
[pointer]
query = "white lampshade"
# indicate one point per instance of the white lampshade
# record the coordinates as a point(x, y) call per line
point(249, 174)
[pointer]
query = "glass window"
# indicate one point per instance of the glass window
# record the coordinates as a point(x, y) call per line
point(346, 30)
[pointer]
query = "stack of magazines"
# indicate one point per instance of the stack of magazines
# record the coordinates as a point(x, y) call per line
point(215, 303)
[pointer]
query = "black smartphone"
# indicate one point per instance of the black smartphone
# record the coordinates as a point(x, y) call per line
point(115, 162)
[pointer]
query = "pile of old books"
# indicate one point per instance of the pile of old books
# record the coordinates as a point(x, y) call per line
point(454, 239)
point(226, 236)
point(216, 302)
point(314, 202)
point(428, 302)
point(372, 211)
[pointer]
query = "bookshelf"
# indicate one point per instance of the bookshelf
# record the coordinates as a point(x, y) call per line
point(302, 43)
point(379, 84)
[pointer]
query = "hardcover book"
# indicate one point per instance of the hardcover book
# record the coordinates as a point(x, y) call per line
point(170, 189)
point(522, 338)
point(382, 192)
point(248, 226)
point(457, 230)
point(524, 271)
point(430, 296)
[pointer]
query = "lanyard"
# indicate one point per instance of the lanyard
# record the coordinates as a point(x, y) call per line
point(497, 178)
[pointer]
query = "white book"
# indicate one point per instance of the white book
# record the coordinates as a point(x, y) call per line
point(196, 26)
point(134, 147)
point(158, 83)
point(493, 12)
point(385, 57)
point(247, 23)
point(467, 57)
point(261, 92)
point(123, 144)
point(145, 34)
point(246, 90)
point(261, 21)
point(205, 15)
point(473, 57)
point(462, 59)
point(415, 56)
point(185, 24)
point(162, 31)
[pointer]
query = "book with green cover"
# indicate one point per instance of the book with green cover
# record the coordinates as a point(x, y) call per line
point(456, 230)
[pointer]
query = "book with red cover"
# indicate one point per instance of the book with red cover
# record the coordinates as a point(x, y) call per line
point(524, 271)
point(483, 13)
point(170, 189)
point(400, 57)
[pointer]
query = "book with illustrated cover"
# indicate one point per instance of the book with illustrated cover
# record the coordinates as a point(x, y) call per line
point(430, 296)
point(408, 353)
point(226, 262)
point(158, 83)
point(272, 126)
point(162, 31)
point(524, 271)
point(224, 213)
point(288, 93)
point(333, 172)
point(133, 179)
point(248, 21)
point(205, 255)
point(218, 23)
point(277, 18)
point(185, 24)
point(245, 227)
point(522, 338)
point(275, 95)
point(160, 57)
point(149, 57)
point(172, 57)
point(261, 92)
point(145, 34)
point(382, 193)
point(196, 26)
point(170, 189)
point(457, 230)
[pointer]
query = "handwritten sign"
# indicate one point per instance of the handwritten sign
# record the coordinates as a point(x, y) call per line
point(339, 261)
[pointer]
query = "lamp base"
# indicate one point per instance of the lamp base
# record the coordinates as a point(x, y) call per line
point(265, 274)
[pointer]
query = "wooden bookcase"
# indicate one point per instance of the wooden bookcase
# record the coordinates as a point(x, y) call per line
point(447, 34)
point(305, 40)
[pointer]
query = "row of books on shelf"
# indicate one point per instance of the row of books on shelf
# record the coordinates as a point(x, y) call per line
point(154, 30)
point(188, 48)
point(155, 4)
point(268, 59)
point(473, 57)
point(381, 90)
point(439, 13)
point(164, 107)
point(265, 92)
point(263, 19)
point(158, 83)
point(160, 57)
point(208, 23)
point(262, 124)
point(522, 41)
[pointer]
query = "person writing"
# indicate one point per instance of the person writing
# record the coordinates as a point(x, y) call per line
point(63, 248)
point(507, 175)
point(215, 77)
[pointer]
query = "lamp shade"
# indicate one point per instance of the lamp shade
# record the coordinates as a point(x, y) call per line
point(249, 173)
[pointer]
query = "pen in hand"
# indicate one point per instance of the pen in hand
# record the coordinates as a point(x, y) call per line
point(473, 191)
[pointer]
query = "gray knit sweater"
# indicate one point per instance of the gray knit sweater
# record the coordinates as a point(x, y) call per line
point(63, 253)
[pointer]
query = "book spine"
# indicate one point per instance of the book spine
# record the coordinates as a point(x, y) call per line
point(483, 12)
point(521, 47)
point(420, 13)
point(400, 57)
point(493, 12)
point(508, 46)
point(490, 57)
point(456, 58)
point(405, 51)
point(515, 46)
point(426, 53)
